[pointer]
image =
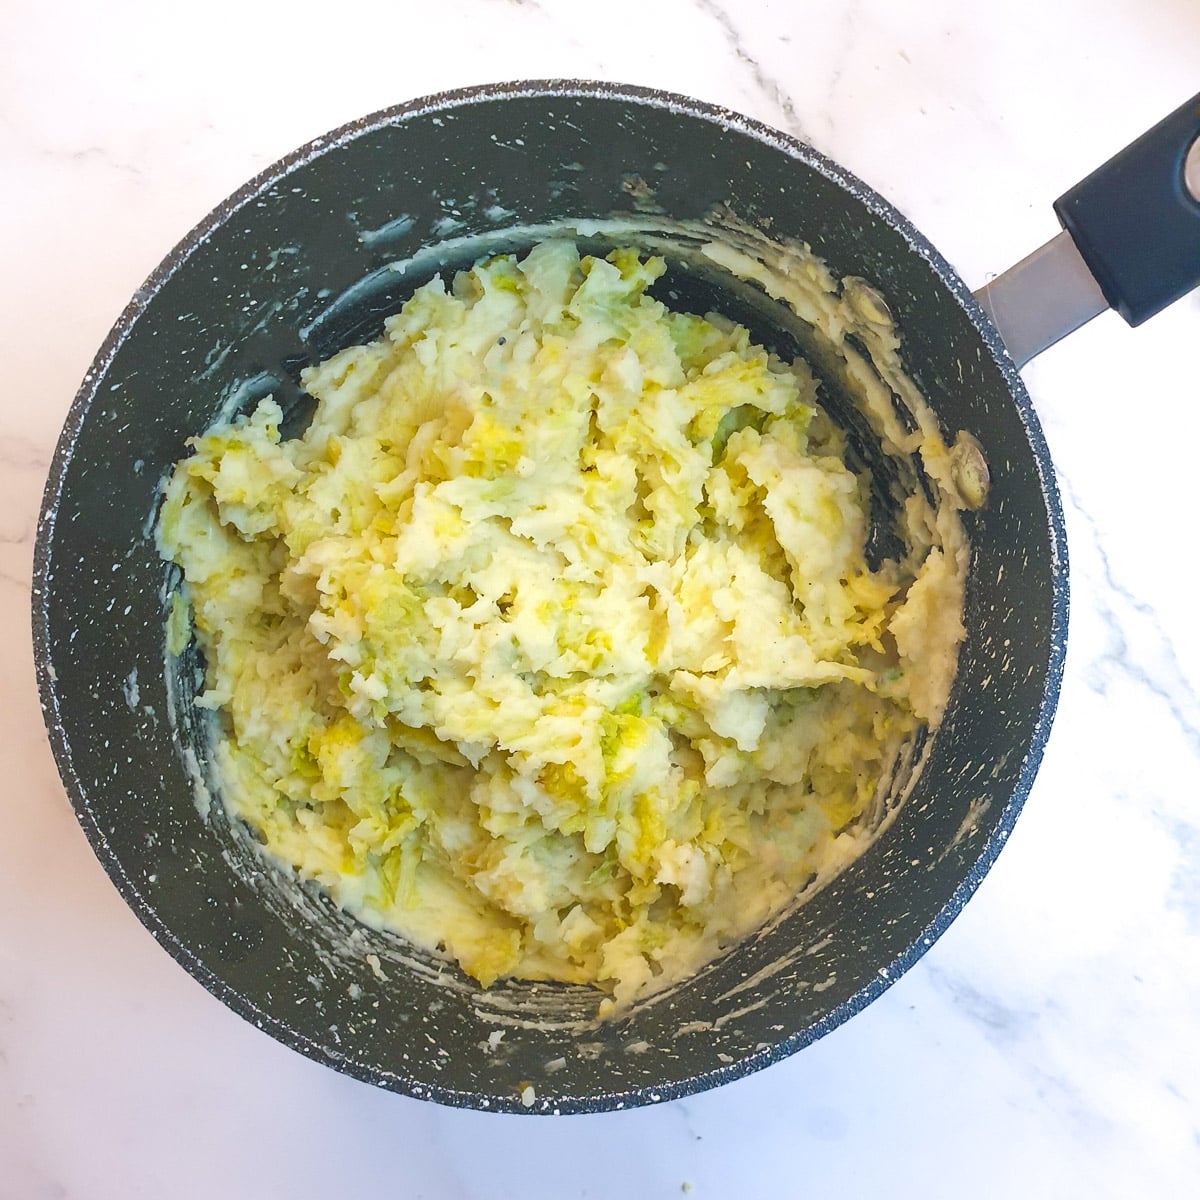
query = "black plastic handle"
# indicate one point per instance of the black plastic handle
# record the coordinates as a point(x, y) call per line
point(1135, 221)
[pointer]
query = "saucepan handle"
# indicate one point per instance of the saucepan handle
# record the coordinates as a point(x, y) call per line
point(1131, 242)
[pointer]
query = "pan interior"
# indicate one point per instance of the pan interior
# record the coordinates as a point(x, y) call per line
point(691, 283)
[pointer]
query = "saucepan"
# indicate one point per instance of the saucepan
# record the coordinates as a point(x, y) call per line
point(307, 259)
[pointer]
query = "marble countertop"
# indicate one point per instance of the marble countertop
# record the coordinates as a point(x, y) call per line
point(1049, 1044)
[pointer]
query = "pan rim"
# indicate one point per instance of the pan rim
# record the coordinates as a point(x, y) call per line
point(219, 216)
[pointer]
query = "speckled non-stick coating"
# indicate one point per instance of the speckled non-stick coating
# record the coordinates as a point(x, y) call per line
point(265, 285)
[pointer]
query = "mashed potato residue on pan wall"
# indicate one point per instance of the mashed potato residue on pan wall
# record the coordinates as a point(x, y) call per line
point(552, 641)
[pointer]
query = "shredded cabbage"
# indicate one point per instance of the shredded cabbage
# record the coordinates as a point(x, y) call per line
point(552, 640)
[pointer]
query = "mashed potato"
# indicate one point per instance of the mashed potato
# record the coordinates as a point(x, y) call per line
point(552, 642)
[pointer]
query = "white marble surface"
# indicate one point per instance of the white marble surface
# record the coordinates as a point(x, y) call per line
point(1049, 1045)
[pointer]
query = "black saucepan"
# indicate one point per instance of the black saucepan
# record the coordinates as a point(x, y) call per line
point(296, 266)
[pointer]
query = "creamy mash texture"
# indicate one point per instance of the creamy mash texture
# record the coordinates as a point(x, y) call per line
point(552, 641)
